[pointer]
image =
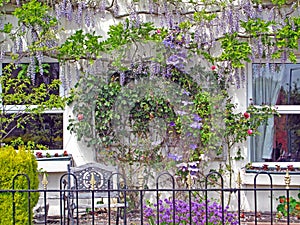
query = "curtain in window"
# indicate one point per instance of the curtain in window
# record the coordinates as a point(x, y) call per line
point(267, 80)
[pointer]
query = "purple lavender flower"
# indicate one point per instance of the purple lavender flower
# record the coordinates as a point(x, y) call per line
point(183, 213)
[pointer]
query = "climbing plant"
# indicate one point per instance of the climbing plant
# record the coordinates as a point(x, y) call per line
point(162, 39)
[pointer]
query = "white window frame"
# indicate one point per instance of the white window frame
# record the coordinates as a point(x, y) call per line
point(281, 109)
point(9, 109)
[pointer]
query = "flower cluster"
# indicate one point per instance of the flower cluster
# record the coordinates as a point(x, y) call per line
point(184, 169)
point(48, 155)
point(198, 214)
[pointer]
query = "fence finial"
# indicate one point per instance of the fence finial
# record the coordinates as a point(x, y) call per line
point(45, 181)
point(93, 181)
point(287, 179)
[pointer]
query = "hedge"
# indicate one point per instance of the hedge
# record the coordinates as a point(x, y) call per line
point(14, 162)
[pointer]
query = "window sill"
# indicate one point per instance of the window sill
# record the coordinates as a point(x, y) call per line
point(53, 158)
point(274, 167)
point(263, 179)
point(254, 171)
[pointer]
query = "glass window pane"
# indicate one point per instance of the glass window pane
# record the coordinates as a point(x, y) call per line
point(45, 129)
point(286, 138)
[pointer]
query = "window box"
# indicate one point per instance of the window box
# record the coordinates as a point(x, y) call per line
point(59, 158)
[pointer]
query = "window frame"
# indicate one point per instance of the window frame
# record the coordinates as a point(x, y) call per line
point(281, 109)
point(10, 109)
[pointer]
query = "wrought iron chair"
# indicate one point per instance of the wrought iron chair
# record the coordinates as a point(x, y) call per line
point(93, 183)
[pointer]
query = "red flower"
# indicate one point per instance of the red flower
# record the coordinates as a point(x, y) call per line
point(213, 67)
point(65, 153)
point(281, 200)
point(39, 154)
point(250, 131)
point(56, 155)
point(246, 115)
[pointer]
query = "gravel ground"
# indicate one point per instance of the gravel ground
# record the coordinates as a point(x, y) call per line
point(99, 219)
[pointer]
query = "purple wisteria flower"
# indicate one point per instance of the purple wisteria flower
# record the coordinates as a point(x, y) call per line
point(172, 124)
point(196, 125)
point(197, 118)
point(186, 92)
point(193, 146)
point(181, 113)
point(182, 166)
point(175, 157)
point(176, 61)
point(193, 168)
point(185, 103)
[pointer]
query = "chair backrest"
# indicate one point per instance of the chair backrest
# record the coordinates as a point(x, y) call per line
point(101, 175)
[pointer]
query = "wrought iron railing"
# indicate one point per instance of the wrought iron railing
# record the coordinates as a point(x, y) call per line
point(158, 205)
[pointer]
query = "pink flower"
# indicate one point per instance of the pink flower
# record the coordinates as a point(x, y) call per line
point(158, 31)
point(250, 131)
point(80, 117)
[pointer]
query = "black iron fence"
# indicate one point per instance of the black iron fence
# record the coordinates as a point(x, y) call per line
point(84, 202)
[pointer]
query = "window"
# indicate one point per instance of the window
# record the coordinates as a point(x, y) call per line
point(277, 84)
point(17, 121)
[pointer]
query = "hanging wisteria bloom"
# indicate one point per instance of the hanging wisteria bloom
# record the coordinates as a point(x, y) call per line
point(176, 61)
point(185, 103)
point(182, 166)
point(175, 157)
point(193, 168)
point(186, 92)
point(181, 113)
point(197, 118)
point(196, 125)
point(193, 146)
point(204, 158)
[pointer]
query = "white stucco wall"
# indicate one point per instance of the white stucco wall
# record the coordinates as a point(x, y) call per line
point(82, 154)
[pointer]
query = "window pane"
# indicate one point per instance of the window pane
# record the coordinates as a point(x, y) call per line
point(276, 84)
point(287, 138)
point(26, 83)
point(45, 129)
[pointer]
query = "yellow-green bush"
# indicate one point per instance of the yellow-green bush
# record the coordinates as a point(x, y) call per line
point(14, 162)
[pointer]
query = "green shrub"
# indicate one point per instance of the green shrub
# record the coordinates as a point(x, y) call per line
point(12, 163)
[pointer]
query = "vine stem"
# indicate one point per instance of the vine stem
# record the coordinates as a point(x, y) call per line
point(230, 145)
